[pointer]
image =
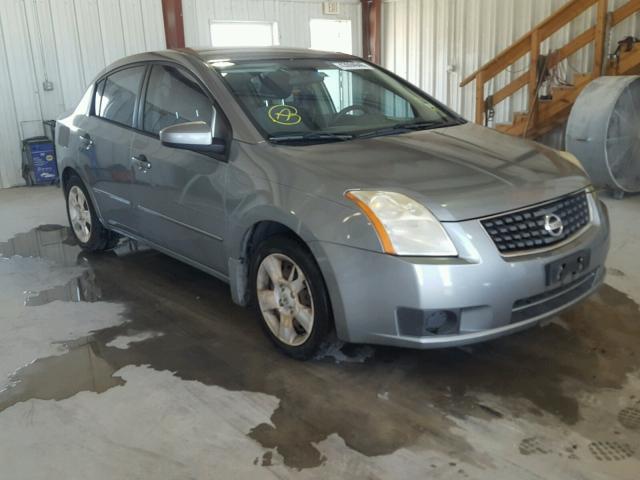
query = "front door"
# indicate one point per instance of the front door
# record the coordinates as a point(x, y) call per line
point(179, 193)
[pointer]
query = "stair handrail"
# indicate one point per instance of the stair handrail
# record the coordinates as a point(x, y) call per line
point(530, 43)
point(625, 11)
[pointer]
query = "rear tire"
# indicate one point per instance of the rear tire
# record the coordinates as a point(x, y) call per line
point(85, 224)
point(289, 296)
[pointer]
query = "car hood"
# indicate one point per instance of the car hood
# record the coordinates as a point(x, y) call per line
point(459, 173)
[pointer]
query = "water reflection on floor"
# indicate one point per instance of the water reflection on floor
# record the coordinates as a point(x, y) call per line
point(181, 320)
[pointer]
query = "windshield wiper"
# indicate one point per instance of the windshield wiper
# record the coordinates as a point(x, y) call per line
point(407, 127)
point(311, 137)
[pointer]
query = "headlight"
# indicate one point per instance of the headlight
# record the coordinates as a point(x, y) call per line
point(403, 226)
point(571, 158)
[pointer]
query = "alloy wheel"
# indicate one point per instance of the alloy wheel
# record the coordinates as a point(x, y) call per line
point(79, 214)
point(285, 299)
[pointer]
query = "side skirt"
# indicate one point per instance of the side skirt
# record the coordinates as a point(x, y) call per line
point(170, 253)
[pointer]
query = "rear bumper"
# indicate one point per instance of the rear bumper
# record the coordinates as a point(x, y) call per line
point(382, 299)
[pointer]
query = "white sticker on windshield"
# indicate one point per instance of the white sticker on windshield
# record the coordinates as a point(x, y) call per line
point(353, 66)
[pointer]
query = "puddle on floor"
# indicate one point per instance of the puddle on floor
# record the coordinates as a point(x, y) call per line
point(59, 377)
point(80, 289)
point(385, 400)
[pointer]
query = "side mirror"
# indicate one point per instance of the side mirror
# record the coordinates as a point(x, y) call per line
point(192, 136)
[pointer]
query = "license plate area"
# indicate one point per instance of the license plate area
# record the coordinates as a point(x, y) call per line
point(568, 268)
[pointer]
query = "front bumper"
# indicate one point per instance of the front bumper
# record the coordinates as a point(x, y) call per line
point(376, 297)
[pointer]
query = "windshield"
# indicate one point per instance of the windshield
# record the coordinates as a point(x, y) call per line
point(315, 100)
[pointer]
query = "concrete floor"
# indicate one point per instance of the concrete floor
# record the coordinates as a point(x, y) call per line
point(131, 365)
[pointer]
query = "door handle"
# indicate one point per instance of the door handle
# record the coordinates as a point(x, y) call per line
point(85, 138)
point(141, 162)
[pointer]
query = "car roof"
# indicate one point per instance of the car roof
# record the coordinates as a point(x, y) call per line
point(191, 56)
point(260, 53)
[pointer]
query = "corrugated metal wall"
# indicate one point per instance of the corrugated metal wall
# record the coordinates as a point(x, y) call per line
point(292, 16)
point(432, 43)
point(66, 42)
point(437, 43)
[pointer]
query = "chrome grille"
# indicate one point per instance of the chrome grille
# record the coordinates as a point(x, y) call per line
point(525, 229)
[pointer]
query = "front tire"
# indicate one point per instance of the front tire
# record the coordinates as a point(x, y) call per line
point(85, 224)
point(290, 297)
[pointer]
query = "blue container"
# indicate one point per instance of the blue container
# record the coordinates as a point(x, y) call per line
point(39, 165)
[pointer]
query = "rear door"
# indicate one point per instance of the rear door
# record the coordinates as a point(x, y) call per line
point(105, 143)
point(179, 193)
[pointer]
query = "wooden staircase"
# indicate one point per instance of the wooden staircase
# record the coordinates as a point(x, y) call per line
point(542, 116)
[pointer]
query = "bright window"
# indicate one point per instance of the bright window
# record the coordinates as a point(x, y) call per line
point(331, 35)
point(244, 34)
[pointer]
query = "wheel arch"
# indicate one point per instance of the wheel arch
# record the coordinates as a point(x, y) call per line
point(245, 236)
point(67, 173)
point(70, 171)
point(258, 231)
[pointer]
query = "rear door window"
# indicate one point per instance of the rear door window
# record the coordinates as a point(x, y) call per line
point(173, 96)
point(117, 99)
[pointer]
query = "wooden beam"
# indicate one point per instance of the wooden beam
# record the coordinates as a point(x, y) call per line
point(625, 11)
point(563, 16)
point(629, 63)
point(173, 24)
point(530, 43)
point(372, 30)
point(480, 98)
point(581, 41)
point(533, 76)
point(511, 88)
point(546, 28)
point(503, 59)
point(601, 32)
point(547, 114)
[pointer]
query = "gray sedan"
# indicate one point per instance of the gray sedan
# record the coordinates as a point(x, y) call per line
point(332, 196)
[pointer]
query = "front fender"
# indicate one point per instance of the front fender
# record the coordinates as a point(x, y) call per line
point(312, 218)
point(315, 220)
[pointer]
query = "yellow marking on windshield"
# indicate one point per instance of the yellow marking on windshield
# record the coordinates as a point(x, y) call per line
point(284, 115)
